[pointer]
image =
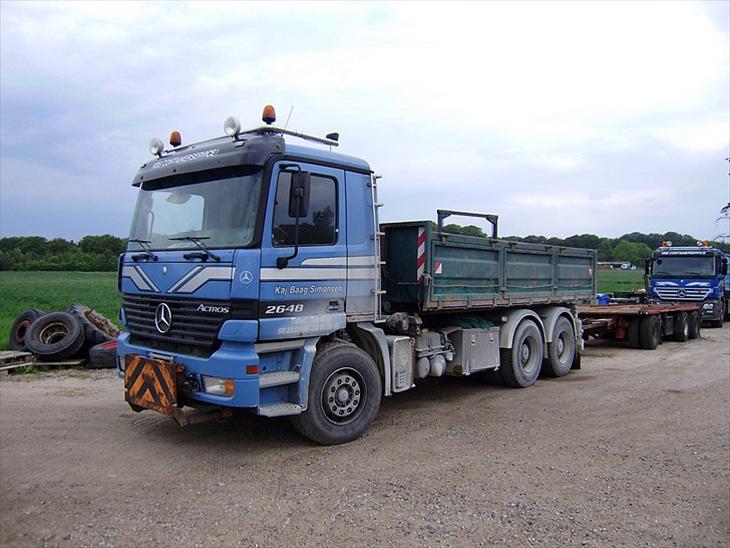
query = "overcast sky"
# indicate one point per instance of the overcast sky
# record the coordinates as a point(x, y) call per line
point(562, 118)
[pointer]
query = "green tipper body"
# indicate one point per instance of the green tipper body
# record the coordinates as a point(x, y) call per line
point(426, 271)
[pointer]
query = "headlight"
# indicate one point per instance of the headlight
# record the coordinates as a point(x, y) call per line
point(708, 306)
point(218, 386)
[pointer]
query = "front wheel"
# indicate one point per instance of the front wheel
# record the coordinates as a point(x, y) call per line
point(344, 395)
point(520, 365)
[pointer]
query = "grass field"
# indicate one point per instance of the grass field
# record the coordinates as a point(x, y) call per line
point(610, 281)
point(52, 291)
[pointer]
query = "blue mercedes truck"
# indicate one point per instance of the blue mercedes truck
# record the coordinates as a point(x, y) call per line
point(690, 274)
point(258, 277)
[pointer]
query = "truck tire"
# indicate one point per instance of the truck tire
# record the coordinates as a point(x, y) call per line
point(693, 324)
point(561, 350)
point(103, 356)
point(681, 327)
point(650, 332)
point(97, 328)
point(20, 328)
point(520, 365)
point(344, 395)
point(56, 336)
point(632, 333)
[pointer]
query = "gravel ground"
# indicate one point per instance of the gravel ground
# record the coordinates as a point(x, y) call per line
point(632, 449)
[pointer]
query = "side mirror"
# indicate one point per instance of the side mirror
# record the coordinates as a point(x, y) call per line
point(301, 182)
point(647, 266)
point(723, 268)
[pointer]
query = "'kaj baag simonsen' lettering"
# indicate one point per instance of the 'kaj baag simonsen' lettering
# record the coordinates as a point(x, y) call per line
point(304, 290)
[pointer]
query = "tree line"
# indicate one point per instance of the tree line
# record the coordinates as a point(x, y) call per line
point(90, 254)
point(100, 253)
point(633, 247)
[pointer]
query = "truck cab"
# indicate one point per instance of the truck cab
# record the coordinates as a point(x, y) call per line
point(690, 274)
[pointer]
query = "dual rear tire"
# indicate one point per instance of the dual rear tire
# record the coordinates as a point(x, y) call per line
point(521, 365)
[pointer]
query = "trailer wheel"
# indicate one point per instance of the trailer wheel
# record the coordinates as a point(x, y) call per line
point(520, 365)
point(650, 332)
point(693, 324)
point(344, 395)
point(561, 351)
point(681, 327)
point(632, 333)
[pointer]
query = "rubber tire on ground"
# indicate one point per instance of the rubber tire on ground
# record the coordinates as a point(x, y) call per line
point(93, 334)
point(55, 336)
point(681, 327)
point(650, 332)
point(511, 369)
point(314, 422)
point(20, 328)
point(556, 364)
point(694, 323)
point(103, 356)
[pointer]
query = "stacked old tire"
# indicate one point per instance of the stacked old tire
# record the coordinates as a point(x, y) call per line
point(78, 332)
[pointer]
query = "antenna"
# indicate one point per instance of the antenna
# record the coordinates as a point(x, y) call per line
point(287, 118)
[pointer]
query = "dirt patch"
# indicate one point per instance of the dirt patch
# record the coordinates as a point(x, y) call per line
point(632, 449)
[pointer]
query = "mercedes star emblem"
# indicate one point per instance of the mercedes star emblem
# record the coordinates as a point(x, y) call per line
point(163, 318)
point(246, 277)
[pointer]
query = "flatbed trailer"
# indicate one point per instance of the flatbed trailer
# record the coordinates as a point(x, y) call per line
point(641, 325)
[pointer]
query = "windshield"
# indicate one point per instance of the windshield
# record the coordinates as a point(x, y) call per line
point(218, 208)
point(687, 267)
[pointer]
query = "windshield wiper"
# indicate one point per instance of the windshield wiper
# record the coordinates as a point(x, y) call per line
point(198, 241)
point(144, 244)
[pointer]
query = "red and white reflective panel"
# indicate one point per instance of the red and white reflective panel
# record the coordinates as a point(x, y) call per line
point(438, 268)
point(421, 256)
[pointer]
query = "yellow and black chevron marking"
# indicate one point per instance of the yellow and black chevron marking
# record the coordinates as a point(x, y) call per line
point(150, 384)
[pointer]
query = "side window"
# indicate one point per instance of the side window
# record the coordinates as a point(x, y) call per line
point(319, 227)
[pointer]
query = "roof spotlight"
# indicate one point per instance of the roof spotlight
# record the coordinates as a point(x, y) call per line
point(156, 147)
point(232, 126)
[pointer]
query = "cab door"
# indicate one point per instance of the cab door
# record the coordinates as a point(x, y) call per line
point(306, 297)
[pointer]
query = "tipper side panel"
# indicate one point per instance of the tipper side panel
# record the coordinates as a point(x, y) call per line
point(464, 272)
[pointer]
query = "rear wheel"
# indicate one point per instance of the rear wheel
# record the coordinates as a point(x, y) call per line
point(693, 325)
point(344, 395)
point(650, 332)
point(681, 327)
point(521, 364)
point(561, 350)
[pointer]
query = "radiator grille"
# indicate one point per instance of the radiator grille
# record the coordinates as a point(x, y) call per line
point(190, 328)
point(682, 293)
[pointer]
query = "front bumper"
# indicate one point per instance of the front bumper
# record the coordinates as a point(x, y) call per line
point(229, 362)
point(711, 310)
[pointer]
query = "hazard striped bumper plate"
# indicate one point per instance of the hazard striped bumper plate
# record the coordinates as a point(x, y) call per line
point(151, 384)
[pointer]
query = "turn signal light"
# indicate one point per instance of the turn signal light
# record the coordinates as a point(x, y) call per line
point(175, 139)
point(269, 115)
